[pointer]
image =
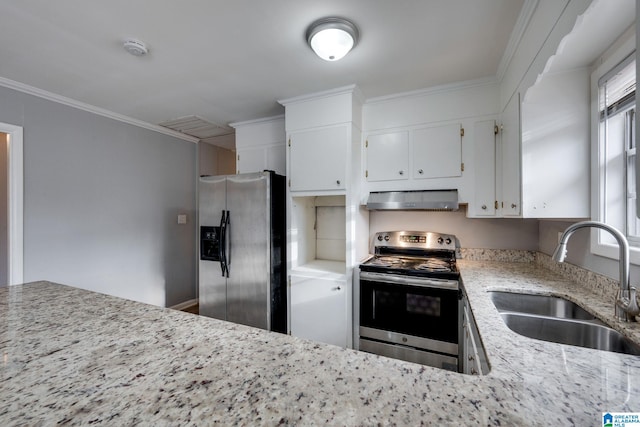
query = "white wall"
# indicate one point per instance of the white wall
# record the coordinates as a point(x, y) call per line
point(101, 200)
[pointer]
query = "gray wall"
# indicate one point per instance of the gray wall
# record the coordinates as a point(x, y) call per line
point(4, 210)
point(101, 200)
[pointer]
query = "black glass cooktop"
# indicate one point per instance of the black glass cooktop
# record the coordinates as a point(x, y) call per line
point(409, 265)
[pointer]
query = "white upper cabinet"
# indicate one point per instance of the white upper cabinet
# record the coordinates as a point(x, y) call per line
point(387, 156)
point(485, 168)
point(260, 145)
point(433, 152)
point(322, 131)
point(510, 164)
point(437, 152)
point(545, 136)
point(318, 159)
point(545, 145)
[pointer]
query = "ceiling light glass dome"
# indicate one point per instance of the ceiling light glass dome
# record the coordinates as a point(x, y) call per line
point(332, 38)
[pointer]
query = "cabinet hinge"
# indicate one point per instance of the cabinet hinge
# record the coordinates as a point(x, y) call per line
point(461, 131)
point(366, 144)
point(289, 183)
point(496, 129)
point(366, 174)
point(462, 167)
point(238, 157)
point(289, 142)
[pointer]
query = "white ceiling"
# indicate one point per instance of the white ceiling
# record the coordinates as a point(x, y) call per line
point(231, 60)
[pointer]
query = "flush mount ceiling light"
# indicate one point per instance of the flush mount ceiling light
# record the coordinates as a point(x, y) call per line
point(332, 38)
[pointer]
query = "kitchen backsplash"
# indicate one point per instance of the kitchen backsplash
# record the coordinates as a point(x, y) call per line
point(598, 283)
point(505, 255)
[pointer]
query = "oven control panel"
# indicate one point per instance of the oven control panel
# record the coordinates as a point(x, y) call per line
point(414, 239)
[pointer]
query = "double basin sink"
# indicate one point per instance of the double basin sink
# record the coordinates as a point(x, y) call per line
point(555, 319)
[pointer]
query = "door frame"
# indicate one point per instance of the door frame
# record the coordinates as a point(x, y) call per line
point(16, 203)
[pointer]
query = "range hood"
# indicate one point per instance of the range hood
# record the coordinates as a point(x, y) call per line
point(430, 200)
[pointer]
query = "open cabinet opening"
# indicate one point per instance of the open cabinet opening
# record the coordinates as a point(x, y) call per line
point(318, 226)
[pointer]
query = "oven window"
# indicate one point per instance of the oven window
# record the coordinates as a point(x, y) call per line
point(423, 312)
point(423, 304)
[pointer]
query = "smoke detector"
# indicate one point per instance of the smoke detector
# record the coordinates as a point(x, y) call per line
point(135, 47)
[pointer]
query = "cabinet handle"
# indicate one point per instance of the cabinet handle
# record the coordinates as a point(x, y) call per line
point(420, 171)
point(484, 207)
point(338, 182)
point(401, 172)
point(337, 288)
point(513, 205)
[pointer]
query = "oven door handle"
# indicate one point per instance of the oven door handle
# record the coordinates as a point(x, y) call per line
point(422, 282)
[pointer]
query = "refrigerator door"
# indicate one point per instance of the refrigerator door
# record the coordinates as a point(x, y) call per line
point(249, 249)
point(212, 284)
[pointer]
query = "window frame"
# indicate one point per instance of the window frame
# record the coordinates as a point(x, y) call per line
point(604, 66)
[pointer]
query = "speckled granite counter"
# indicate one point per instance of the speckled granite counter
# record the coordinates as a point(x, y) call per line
point(75, 357)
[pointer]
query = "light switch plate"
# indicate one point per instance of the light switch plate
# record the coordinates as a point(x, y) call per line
point(182, 218)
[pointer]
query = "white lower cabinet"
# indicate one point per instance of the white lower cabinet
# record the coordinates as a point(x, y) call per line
point(319, 309)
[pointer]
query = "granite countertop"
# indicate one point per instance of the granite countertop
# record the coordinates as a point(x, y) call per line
point(75, 357)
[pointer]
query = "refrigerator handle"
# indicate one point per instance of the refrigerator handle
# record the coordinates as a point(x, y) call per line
point(222, 244)
point(227, 238)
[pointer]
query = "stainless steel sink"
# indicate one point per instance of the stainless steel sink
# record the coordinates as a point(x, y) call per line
point(558, 320)
point(543, 305)
point(563, 331)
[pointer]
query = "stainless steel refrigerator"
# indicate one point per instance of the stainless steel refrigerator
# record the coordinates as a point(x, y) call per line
point(242, 246)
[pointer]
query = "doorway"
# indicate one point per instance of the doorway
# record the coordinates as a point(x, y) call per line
point(11, 142)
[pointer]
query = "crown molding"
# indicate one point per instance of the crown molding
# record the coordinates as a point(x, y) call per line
point(350, 89)
point(516, 36)
point(450, 87)
point(257, 121)
point(30, 90)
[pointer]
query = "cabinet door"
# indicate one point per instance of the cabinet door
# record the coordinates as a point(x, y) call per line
point(319, 310)
point(318, 159)
point(485, 168)
point(387, 156)
point(250, 160)
point(437, 152)
point(510, 144)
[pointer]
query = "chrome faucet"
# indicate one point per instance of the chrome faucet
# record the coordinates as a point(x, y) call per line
point(626, 305)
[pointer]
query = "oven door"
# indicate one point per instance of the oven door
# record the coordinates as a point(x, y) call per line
point(415, 311)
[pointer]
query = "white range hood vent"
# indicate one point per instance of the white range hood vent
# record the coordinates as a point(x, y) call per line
point(428, 200)
point(197, 127)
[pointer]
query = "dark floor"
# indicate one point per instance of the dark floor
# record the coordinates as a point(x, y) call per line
point(192, 309)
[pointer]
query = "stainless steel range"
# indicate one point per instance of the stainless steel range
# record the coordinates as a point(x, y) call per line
point(411, 299)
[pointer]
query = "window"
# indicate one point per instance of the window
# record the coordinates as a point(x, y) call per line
point(616, 154)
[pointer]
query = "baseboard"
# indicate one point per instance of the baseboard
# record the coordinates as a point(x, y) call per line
point(185, 304)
